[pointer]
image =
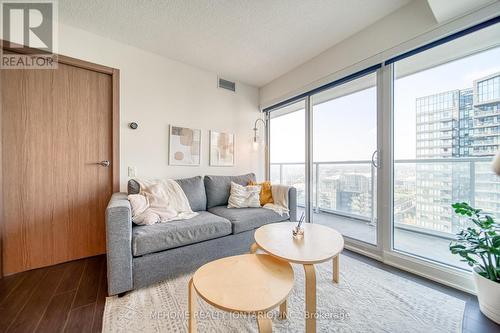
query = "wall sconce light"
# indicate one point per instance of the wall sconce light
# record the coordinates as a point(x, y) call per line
point(255, 129)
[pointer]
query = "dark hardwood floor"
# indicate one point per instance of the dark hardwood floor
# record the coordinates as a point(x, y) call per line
point(70, 297)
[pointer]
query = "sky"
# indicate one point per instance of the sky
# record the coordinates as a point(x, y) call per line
point(458, 74)
point(345, 128)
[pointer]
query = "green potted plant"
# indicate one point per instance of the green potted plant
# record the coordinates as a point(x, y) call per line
point(479, 246)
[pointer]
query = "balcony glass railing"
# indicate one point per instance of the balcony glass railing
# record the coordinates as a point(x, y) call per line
point(424, 190)
point(343, 188)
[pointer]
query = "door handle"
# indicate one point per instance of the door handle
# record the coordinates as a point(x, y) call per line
point(104, 163)
point(375, 161)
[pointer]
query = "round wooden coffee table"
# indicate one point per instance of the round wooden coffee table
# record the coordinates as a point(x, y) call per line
point(248, 283)
point(319, 244)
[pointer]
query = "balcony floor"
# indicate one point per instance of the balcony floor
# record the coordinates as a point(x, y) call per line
point(427, 246)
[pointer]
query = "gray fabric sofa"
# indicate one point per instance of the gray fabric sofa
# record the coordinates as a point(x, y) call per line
point(138, 256)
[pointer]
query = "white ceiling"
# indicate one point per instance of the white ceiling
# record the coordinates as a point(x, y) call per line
point(253, 41)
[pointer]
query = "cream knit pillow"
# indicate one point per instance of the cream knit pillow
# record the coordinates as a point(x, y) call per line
point(244, 196)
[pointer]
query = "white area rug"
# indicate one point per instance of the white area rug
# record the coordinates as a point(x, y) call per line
point(366, 300)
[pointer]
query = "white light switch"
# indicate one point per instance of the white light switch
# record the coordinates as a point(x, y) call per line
point(131, 172)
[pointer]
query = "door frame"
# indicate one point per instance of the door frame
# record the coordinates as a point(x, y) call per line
point(115, 132)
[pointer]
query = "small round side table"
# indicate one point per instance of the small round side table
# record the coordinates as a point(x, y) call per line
point(248, 283)
point(318, 244)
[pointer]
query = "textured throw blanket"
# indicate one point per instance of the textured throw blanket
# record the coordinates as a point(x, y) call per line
point(159, 201)
point(280, 199)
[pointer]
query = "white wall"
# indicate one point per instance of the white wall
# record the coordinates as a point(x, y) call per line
point(155, 92)
point(409, 27)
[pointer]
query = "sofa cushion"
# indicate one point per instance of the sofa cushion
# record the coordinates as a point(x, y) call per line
point(162, 236)
point(244, 219)
point(218, 187)
point(195, 192)
point(193, 188)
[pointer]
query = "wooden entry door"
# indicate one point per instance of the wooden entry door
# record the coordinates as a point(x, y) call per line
point(57, 127)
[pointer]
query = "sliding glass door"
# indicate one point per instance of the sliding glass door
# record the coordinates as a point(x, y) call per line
point(344, 142)
point(446, 130)
point(382, 154)
point(341, 160)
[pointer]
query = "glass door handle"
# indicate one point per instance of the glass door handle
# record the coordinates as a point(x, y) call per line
point(375, 159)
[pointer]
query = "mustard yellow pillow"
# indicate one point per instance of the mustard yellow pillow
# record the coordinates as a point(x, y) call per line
point(266, 196)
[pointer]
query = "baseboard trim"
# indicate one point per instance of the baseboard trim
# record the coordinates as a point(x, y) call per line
point(365, 253)
point(455, 278)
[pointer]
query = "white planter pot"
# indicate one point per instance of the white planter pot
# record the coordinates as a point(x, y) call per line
point(488, 293)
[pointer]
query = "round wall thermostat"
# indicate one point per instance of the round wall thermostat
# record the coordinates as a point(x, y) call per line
point(133, 125)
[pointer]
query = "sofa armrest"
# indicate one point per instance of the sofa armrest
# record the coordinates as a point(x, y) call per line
point(292, 204)
point(119, 244)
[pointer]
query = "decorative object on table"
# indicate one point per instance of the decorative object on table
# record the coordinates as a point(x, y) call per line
point(255, 129)
point(221, 149)
point(184, 146)
point(133, 125)
point(298, 231)
point(479, 246)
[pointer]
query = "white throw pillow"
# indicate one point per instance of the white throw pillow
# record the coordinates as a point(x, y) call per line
point(244, 196)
